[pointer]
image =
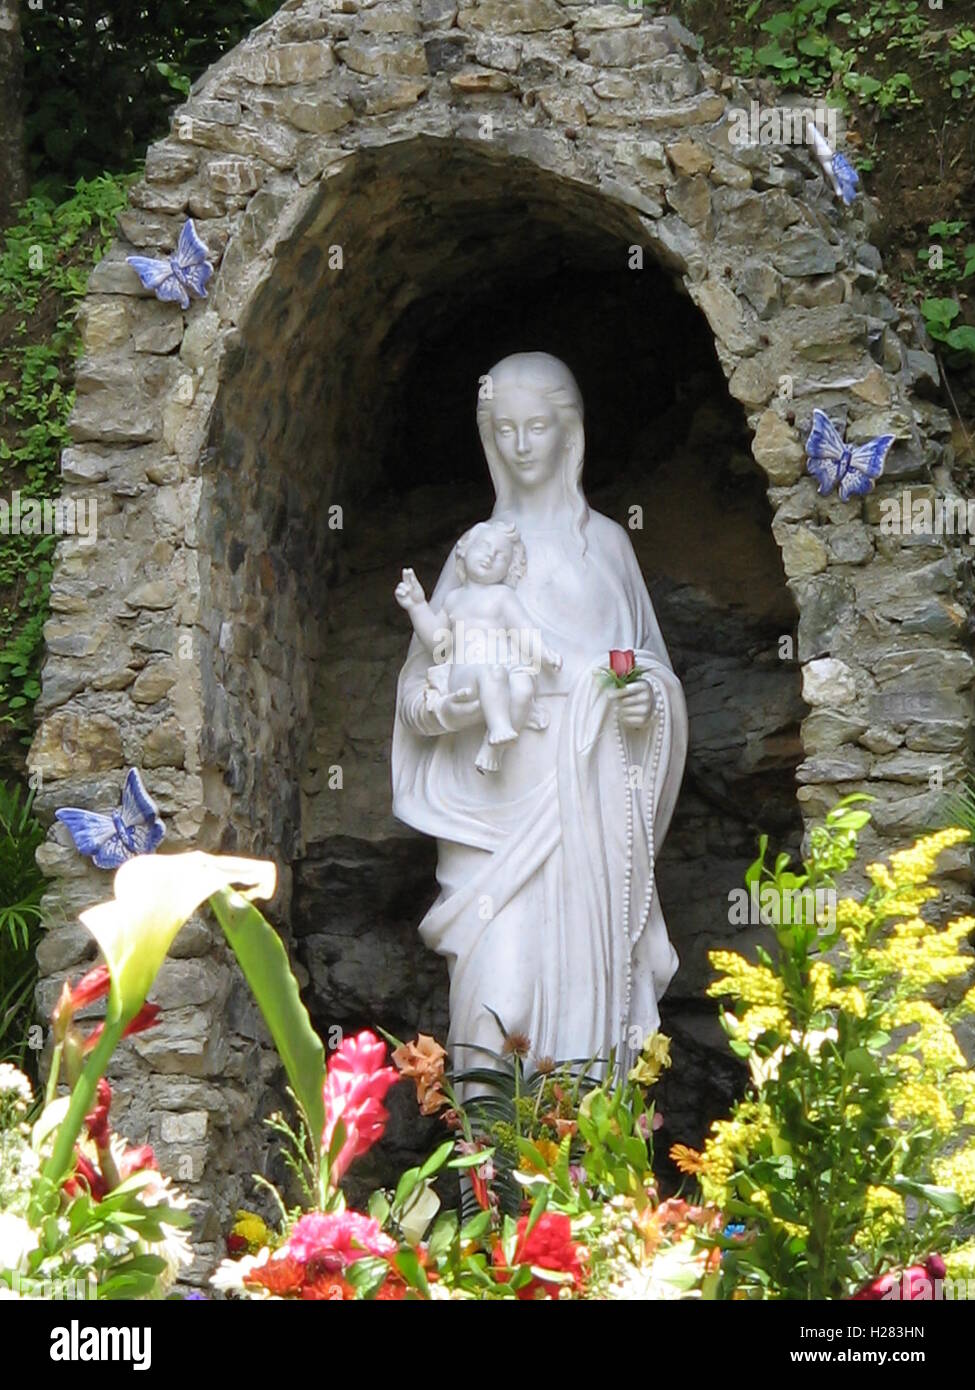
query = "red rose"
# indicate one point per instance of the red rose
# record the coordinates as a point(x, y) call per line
point(621, 663)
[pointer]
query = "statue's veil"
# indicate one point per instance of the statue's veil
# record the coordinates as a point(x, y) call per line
point(553, 380)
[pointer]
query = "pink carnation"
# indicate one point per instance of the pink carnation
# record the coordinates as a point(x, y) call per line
point(336, 1239)
point(355, 1088)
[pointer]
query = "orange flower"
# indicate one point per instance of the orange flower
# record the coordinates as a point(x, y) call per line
point(548, 1149)
point(686, 1159)
point(423, 1062)
point(330, 1288)
point(281, 1275)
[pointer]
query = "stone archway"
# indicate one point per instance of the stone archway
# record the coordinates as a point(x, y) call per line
point(375, 181)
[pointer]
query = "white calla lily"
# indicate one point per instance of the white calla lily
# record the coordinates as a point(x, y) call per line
point(154, 896)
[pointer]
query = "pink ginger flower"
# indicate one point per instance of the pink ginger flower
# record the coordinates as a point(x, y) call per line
point(333, 1240)
point(355, 1088)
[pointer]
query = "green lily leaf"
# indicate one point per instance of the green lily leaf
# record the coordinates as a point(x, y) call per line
point(266, 967)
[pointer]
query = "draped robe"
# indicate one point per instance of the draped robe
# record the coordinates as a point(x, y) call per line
point(547, 912)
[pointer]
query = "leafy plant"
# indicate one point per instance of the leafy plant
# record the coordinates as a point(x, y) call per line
point(861, 1099)
point(21, 886)
point(939, 315)
point(103, 75)
point(45, 260)
point(823, 47)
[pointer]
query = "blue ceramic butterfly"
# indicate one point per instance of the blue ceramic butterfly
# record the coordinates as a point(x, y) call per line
point(846, 180)
point(110, 840)
point(836, 464)
point(186, 271)
point(843, 177)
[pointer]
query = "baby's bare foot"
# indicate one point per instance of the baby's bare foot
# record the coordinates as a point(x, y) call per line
point(487, 759)
point(537, 717)
point(503, 733)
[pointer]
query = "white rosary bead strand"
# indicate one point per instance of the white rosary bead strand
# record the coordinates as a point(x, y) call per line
point(627, 873)
point(658, 738)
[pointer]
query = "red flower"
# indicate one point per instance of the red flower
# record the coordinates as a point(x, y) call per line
point(97, 1118)
point(549, 1245)
point(915, 1283)
point(90, 987)
point(86, 1178)
point(481, 1194)
point(144, 1019)
point(136, 1161)
point(332, 1240)
point(355, 1088)
point(621, 663)
point(237, 1245)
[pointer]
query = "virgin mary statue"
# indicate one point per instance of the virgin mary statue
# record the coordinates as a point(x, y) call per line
point(547, 913)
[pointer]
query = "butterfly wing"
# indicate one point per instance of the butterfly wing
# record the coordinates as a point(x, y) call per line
point(846, 180)
point(825, 441)
point(90, 830)
point(190, 250)
point(142, 822)
point(160, 277)
point(866, 465)
point(112, 854)
point(195, 278)
point(191, 261)
point(826, 472)
point(151, 272)
point(825, 450)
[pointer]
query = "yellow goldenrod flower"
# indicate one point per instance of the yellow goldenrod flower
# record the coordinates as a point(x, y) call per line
point(853, 916)
point(880, 876)
point(761, 1199)
point(883, 1217)
point(752, 984)
point(730, 1144)
point(762, 1018)
point(957, 1171)
point(821, 979)
point(920, 1100)
point(960, 1262)
point(934, 1042)
point(921, 955)
point(915, 865)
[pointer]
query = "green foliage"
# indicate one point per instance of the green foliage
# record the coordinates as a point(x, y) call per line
point(103, 75)
point(947, 261)
point(831, 48)
point(21, 886)
point(118, 1247)
point(860, 1095)
point(958, 808)
point(45, 260)
point(264, 961)
point(939, 315)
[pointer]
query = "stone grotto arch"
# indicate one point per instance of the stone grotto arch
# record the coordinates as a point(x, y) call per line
point(395, 194)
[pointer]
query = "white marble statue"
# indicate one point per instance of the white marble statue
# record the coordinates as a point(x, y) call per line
point(484, 636)
point(547, 912)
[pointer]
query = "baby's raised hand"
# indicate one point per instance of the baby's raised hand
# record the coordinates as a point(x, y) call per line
point(409, 592)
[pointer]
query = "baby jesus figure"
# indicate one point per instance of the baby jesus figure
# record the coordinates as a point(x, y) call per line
point(485, 635)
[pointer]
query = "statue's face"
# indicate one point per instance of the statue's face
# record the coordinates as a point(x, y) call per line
point(528, 434)
point(488, 557)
